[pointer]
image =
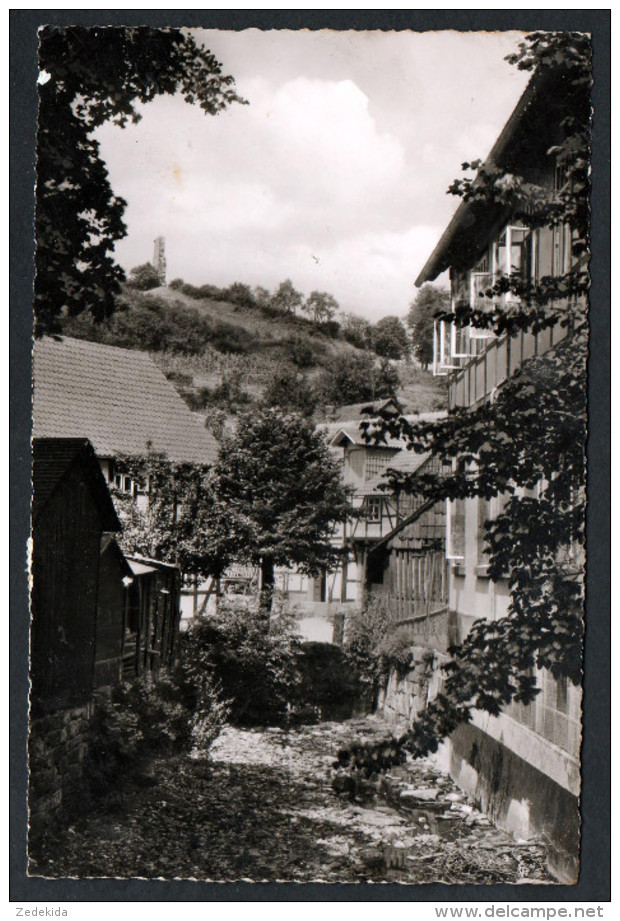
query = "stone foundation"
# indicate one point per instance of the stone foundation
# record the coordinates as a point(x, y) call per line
point(516, 795)
point(57, 748)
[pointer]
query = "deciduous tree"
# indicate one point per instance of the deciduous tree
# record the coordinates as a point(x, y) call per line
point(144, 277)
point(287, 298)
point(183, 521)
point(429, 302)
point(320, 306)
point(389, 338)
point(283, 492)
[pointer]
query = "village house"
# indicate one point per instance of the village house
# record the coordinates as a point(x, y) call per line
point(522, 766)
point(121, 401)
point(323, 602)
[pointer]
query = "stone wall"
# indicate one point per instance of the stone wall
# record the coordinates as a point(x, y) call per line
point(404, 696)
point(516, 796)
point(57, 749)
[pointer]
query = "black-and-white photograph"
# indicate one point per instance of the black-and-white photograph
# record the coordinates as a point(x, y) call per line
point(309, 431)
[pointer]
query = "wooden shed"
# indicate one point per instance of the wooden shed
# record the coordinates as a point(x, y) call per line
point(71, 511)
point(152, 618)
point(113, 598)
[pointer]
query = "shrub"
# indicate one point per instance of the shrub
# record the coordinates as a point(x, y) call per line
point(141, 717)
point(253, 662)
point(364, 632)
point(240, 294)
point(395, 652)
point(302, 351)
point(289, 390)
point(153, 714)
point(176, 283)
point(180, 379)
point(329, 683)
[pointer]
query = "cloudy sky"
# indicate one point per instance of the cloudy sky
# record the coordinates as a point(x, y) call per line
point(334, 175)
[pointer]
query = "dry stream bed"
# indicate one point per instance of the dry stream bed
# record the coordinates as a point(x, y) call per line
point(262, 808)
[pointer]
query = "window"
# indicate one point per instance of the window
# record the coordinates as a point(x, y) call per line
point(455, 529)
point(510, 255)
point(373, 508)
point(125, 484)
point(443, 362)
point(561, 694)
point(376, 463)
point(484, 515)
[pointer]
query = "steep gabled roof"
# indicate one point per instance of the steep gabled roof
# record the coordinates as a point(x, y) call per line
point(53, 459)
point(117, 398)
point(339, 434)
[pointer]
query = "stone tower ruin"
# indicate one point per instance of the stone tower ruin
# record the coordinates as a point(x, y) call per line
point(159, 259)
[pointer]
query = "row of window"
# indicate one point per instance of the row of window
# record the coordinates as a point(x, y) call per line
point(518, 251)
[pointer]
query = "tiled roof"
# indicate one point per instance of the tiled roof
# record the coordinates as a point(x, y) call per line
point(117, 398)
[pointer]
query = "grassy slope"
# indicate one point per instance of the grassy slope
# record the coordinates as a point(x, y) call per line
point(420, 390)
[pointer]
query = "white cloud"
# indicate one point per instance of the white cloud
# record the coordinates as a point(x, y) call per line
point(334, 175)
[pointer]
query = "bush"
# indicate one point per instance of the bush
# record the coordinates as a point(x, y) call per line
point(253, 662)
point(290, 391)
point(179, 711)
point(329, 683)
point(365, 631)
point(240, 294)
point(395, 652)
point(142, 717)
point(180, 379)
point(176, 284)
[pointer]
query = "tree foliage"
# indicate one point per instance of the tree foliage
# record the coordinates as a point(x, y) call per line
point(290, 391)
point(390, 338)
point(283, 493)
point(526, 447)
point(287, 298)
point(144, 277)
point(357, 378)
point(429, 302)
point(357, 331)
point(97, 75)
point(321, 306)
point(183, 521)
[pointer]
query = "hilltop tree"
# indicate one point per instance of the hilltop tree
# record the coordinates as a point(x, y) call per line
point(389, 338)
point(283, 492)
point(144, 277)
point(429, 302)
point(93, 75)
point(527, 447)
point(262, 296)
point(287, 298)
point(320, 306)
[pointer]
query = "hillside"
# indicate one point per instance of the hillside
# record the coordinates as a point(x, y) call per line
point(232, 356)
